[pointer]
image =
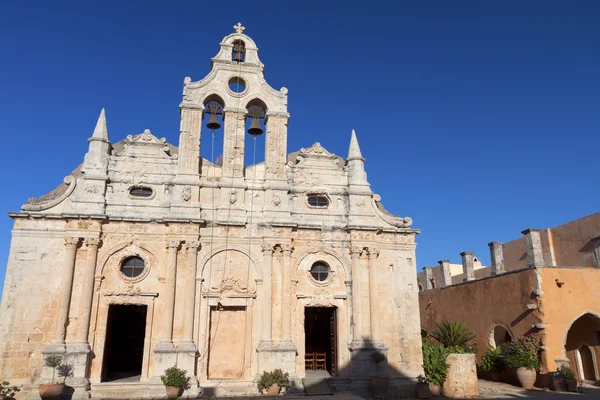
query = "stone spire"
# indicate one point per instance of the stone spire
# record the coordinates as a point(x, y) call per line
point(101, 131)
point(354, 150)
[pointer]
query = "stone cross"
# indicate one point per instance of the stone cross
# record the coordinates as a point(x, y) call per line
point(239, 28)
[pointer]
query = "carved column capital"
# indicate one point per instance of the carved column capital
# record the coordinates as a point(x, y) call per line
point(71, 242)
point(92, 242)
point(287, 249)
point(173, 245)
point(373, 253)
point(355, 251)
point(192, 247)
point(267, 248)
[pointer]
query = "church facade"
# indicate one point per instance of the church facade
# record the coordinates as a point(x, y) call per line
point(149, 256)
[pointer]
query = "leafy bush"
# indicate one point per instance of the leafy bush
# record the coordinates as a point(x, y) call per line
point(491, 361)
point(276, 376)
point(523, 352)
point(434, 361)
point(566, 372)
point(8, 391)
point(64, 370)
point(453, 333)
point(422, 379)
point(175, 377)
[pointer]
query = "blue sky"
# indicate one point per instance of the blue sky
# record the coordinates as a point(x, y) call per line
point(477, 119)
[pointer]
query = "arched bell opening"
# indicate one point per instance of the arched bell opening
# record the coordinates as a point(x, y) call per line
point(238, 52)
point(213, 129)
point(256, 129)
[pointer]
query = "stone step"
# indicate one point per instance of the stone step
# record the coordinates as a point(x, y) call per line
point(316, 386)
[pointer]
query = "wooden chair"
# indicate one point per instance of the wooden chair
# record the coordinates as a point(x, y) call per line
point(309, 361)
point(321, 361)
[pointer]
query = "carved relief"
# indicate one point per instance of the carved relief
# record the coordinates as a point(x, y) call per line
point(186, 193)
point(276, 200)
point(233, 196)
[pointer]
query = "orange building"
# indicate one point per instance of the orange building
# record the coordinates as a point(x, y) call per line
point(546, 282)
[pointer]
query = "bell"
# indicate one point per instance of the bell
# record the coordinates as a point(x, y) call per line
point(213, 122)
point(237, 57)
point(255, 128)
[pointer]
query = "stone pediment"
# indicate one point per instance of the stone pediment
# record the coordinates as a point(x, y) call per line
point(317, 155)
point(145, 145)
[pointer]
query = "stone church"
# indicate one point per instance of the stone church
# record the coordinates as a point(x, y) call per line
point(149, 256)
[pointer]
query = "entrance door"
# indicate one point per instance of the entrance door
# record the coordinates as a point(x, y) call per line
point(124, 345)
point(320, 327)
point(587, 362)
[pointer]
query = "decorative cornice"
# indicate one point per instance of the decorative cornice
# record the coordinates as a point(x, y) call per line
point(44, 205)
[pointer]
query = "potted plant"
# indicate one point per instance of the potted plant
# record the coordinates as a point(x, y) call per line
point(523, 356)
point(434, 364)
point(175, 380)
point(569, 376)
point(491, 362)
point(381, 382)
point(273, 382)
point(54, 389)
point(8, 392)
point(423, 391)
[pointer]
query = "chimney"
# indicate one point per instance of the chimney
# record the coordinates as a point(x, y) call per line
point(497, 257)
point(468, 267)
point(533, 243)
point(446, 275)
point(428, 278)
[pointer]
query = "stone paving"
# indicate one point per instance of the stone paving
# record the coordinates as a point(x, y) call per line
point(498, 390)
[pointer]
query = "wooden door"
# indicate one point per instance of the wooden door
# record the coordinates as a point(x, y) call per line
point(333, 338)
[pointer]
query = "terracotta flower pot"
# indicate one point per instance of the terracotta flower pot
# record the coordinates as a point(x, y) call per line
point(436, 390)
point(423, 391)
point(273, 390)
point(51, 391)
point(495, 376)
point(173, 392)
point(571, 385)
point(526, 377)
point(379, 386)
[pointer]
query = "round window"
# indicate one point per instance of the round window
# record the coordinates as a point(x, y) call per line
point(237, 85)
point(132, 267)
point(319, 271)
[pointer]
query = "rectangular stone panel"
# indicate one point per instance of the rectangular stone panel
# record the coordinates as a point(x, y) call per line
point(226, 342)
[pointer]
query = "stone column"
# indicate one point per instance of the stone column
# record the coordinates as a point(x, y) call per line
point(428, 272)
point(66, 286)
point(233, 143)
point(87, 290)
point(276, 145)
point(189, 139)
point(446, 274)
point(166, 334)
point(355, 253)
point(497, 257)
point(468, 266)
point(190, 293)
point(533, 242)
point(286, 293)
point(373, 254)
point(267, 295)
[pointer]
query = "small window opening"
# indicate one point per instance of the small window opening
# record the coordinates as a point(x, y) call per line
point(140, 191)
point(132, 267)
point(239, 51)
point(318, 201)
point(319, 271)
point(237, 85)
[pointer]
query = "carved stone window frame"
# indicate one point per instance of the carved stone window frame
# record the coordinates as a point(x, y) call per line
point(330, 277)
point(243, 92)
point(318, 194)
point(133, 252)
point(132, 197)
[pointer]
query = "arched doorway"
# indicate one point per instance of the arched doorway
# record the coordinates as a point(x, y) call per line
point(501, 335)
point(582, 346)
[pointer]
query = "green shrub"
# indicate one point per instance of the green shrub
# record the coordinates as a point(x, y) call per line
point(434, 361)
point(566, 372)
point(523, 352)
point(491, 361)
point(276, 376)
point(422, 379)
point(8, 391)
point(453, 333)
point(55, 362)
point(175, 377)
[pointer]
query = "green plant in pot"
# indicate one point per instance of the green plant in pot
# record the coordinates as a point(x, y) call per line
point(453, 334)
point(175, 381)
point(569, 375)
point(423, 391)
point(380, 383)
point(272, 382)
point(492, 362)
point(434, 364)
point(523, 356)
point(8, 392)
point(54, 389)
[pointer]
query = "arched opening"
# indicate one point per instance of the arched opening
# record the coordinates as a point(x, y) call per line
point(213, 130)
point(238, 53)
point(583, 348)
point(499, 336)
point(256, 129)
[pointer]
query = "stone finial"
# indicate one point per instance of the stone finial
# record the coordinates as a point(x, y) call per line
point(428, 272)
point(101, 131)
point(446, 274)
point(354, 149)
point(533, 243)
point(239, 28)
point(468, 266)
point(497, 257)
